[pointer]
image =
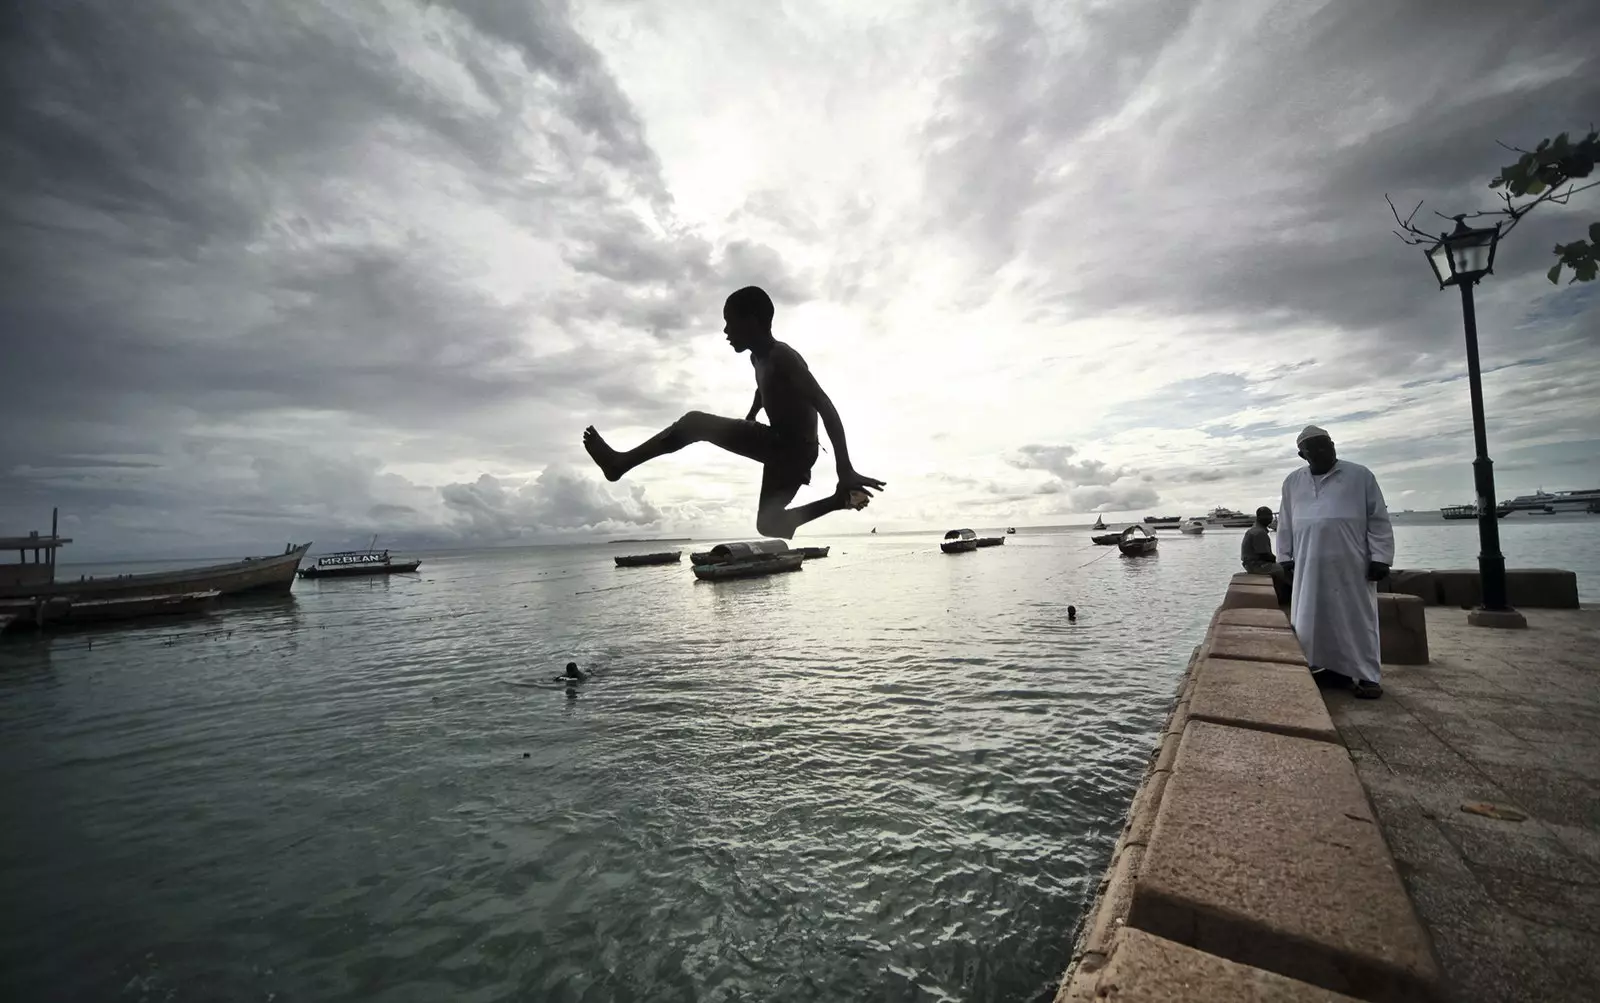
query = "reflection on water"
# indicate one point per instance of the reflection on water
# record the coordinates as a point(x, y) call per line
point(893, 775)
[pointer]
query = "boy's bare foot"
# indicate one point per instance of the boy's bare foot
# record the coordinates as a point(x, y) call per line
point(607, 459)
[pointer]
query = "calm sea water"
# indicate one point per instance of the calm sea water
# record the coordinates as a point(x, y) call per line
point(894, 775)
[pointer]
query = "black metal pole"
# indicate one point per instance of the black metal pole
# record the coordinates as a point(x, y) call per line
point(1491, 563)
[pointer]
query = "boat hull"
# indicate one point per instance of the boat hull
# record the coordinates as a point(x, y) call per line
point(958, 546)
point(254, 575)
point(359, 570)
point(1136, 548)
point(813, 553)
point(66, 612)
point(1107, 539)
point(749, 568)
point(644, 560)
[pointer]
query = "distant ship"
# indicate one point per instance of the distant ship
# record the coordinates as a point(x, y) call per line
point(1554, 501)
point(1229, 519)
point(1163, 521)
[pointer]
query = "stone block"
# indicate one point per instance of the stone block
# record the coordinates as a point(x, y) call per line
point(1242, 596)
point(1142, 813)
point(1276, 618)
point(1142, 968)
point(1253, 644)
point(1534, 588)
point(1267, 696)
point(1246, 578)
point(1265, 852)
point(1402, 629)
point(1542, 588)
point(1458, 586)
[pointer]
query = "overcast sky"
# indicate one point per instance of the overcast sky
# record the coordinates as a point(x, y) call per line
point(287, 269)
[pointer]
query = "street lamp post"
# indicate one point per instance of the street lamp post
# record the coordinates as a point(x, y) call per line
point(1461, 258)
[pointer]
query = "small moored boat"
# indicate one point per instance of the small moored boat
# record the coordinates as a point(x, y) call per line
point(959, 541)
point(65, 611)
point(1192, 527)
point(1010, 530)
point(745, 560)
point(812, 553)
point(991, 541)
point(722, 553)
point(641, 560)
point(350, 563)
point(1136, 541)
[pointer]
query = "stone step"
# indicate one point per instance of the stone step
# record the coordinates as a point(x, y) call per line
point(1266, 696)
point(1265, 852)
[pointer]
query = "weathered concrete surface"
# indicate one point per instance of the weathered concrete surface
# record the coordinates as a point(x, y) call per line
point(1265, 852)
point(1246, 578)
point(1402, 629)
point(1273, 618)
point(1499, 718)
point(1266, 696)
point(1253, 644)
point(1245, 596)
point(1147, 969)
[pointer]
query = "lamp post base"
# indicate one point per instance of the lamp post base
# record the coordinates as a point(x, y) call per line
point(1507, 618)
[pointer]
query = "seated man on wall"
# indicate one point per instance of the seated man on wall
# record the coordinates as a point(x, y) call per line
point(1256, 554)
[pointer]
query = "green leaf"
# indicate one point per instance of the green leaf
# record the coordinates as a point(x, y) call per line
point(1594, 233)
point(1554, 273)
point(1585, 271)
point(1533, 187)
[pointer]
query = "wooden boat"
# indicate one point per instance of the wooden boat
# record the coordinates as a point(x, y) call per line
point(352, 563)
point(1107, 539)
point(1099, 522)
point(959, 541)
point(252, 575)
point(1010, 530)
point(752, 566)
point(641, 560)
point(991, 541)
point(1136, 541)
point(65, 611)
point(812, 553)
point(722, 553)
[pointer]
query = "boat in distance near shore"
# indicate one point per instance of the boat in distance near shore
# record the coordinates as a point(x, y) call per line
point(991, 541)
point(1137, 541)
point(959, 541)
point(1471, 511)
point(271, 575)
point(351, 563)
point(643, 560)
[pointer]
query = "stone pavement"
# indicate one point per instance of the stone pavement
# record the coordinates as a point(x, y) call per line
point(1506, 721)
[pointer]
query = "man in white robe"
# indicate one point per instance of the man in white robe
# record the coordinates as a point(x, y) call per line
point(1335, 542)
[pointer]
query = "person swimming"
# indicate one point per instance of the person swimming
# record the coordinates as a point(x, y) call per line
point(1072, 614)
point(572, 676)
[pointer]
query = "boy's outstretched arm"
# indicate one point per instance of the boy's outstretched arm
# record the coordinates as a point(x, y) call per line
point(848, 477)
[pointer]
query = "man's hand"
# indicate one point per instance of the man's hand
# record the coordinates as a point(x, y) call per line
point(1377, 571)
point(849, 480)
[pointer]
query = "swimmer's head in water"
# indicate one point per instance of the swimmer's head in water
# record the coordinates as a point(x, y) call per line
point(1072, 612)
point(572, 669)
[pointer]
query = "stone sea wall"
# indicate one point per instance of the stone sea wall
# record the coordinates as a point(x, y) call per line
point(1251, 866)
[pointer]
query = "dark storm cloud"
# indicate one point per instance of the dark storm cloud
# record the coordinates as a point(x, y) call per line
point(210, 215)
point(1248, 179)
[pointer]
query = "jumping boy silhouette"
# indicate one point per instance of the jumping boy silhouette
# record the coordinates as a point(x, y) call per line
point(786, 448)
